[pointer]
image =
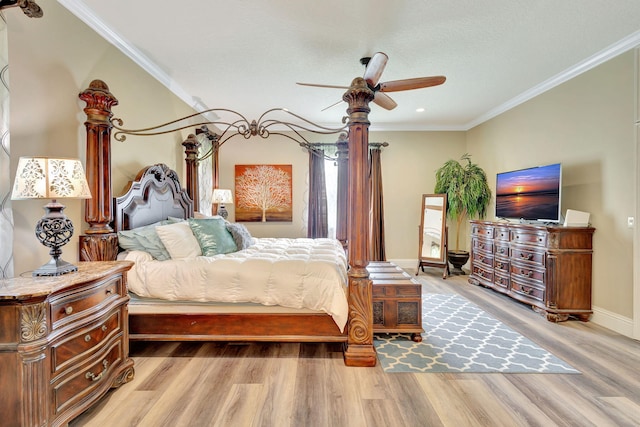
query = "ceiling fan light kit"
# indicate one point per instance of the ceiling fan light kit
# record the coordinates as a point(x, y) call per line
point(374, 66)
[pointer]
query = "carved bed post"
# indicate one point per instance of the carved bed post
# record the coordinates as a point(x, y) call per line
point(100, 243)
point(191, 145)
point(360, 350)
point(343, 190)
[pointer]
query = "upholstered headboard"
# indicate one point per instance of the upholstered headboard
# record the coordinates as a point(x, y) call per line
point(155, 195)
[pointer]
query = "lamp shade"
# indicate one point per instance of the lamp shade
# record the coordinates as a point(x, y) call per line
point(49, 178)
point(222, 196)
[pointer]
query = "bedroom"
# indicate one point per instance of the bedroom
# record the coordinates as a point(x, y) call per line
point(560, 125)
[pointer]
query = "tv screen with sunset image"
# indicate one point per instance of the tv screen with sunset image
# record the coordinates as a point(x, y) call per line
point(531, 194)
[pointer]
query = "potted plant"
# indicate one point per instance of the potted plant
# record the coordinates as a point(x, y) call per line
point(468, 195)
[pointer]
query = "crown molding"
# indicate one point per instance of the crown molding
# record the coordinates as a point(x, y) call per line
point(87, 15)
point(601, 57)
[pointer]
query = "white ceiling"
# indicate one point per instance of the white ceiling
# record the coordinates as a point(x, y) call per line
point(247, 55)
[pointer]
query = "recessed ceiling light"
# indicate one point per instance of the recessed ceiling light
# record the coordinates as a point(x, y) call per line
point(419, 110)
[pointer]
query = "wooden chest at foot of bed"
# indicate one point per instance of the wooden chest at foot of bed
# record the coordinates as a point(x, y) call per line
point(397, 300)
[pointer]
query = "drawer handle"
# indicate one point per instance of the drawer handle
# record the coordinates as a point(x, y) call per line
point(501, 250)
point(87, 338)
point(104, 328)
point(93, 377)
point(528, 257)
point(68, 310)
point(526, 273)
point(109, 291)
point(527, 291)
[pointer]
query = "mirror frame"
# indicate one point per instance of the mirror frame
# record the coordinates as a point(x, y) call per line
point(441, 261)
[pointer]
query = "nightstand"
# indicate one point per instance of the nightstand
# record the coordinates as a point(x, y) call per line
point(64, 342)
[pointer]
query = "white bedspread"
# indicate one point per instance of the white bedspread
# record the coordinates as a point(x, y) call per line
point(296, 273)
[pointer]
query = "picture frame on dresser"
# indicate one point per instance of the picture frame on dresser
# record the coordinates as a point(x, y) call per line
point(547, 267)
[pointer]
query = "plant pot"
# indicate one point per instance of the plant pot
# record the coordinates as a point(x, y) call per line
point(457, 259)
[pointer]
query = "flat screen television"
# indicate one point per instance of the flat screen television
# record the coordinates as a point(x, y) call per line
point(531, 194)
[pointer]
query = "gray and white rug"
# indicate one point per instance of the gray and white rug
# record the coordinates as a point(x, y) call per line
point(460, 337)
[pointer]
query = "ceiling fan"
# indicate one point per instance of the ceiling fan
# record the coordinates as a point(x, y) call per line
point(374, 66)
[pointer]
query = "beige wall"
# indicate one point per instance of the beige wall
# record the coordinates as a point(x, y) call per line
point(587, 124)
point(53, 59)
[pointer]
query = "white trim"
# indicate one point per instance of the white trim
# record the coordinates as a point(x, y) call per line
point(615, 322)
point(601, 57)
point(636, 231)
point(88, 16)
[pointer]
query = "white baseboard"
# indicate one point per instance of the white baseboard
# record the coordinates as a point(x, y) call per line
point(615, 322)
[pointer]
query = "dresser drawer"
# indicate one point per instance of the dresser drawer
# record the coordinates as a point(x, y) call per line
point(482, 230)
point(71, 348)
point(482, 245)
point(502, 265)
point(75, 305)
point(70, 389)
point(502, 249)
point(483, 273)
point(482, 258)
point(528, 255)
point(528, 290)
point(501, 233)
point(529, 237)
point(502, 280)
point(527, 273)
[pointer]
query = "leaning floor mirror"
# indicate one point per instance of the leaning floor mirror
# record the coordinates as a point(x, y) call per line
point(433, 233)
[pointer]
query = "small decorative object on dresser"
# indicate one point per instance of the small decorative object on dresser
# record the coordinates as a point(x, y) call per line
point(548, 267)
point(64, 342)
point(397, 300)
point(221, 197)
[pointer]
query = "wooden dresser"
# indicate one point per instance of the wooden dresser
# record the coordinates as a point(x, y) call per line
point(397, 300)
point(548, 267)
point(63, 343)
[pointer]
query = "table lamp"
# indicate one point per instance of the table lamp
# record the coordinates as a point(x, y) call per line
point(221, 197)
point(49, 178)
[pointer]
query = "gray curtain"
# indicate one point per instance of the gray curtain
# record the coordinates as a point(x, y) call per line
point(317, 224)
point(376, 211)
point(6, 215)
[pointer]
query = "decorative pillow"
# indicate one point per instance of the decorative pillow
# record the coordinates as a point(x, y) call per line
point(240, 234)
point(213, 236)
point(144, 239)
point(179, 240)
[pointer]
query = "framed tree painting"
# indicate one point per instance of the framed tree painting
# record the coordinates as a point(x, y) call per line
point(263, 193)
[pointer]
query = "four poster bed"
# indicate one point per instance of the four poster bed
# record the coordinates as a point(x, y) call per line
point(156, 195)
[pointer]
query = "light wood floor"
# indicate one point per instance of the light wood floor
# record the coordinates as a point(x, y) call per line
point(263, 384)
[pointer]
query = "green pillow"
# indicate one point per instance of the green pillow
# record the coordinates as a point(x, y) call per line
point(213, 236)
point(146, 239)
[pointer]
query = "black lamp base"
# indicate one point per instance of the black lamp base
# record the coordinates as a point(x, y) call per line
point(55, 267)
point(54, 230)
point(222, 211)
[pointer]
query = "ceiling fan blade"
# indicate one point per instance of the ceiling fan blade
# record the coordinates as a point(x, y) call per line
point(332, 105)
point(384, 101)
point(375, 67)
point(408, 84)
point(318, 85)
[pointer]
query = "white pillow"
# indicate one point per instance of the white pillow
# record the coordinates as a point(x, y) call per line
point(179, 240)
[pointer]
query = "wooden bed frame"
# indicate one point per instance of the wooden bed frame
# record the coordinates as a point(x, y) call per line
point(157, 184)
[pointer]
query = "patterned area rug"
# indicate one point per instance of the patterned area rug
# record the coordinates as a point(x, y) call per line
point(460, 337)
